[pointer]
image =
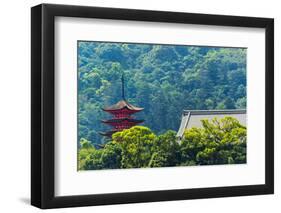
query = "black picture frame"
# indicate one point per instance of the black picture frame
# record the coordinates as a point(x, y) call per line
point(43, 105)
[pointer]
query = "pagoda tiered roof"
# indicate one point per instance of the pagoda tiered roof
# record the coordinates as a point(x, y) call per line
point(123, 104)
point(122, 115)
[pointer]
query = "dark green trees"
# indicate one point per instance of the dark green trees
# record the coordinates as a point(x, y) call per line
point(163, 79)
point(90, 158)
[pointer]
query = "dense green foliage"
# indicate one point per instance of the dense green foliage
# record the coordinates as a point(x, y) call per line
point(217, 142)
point(163, 79)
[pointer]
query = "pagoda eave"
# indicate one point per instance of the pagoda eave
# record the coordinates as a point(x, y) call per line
point(122, 120)
point(124, 108)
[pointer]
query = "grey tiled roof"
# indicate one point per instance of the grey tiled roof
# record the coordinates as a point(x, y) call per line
point(192, 118)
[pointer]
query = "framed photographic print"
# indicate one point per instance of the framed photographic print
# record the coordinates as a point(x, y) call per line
point(139, 106)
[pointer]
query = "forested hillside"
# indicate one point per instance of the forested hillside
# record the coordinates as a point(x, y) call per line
point(163, 79)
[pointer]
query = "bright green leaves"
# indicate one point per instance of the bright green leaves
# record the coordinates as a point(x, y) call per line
point(136, 144)
point(219, 141)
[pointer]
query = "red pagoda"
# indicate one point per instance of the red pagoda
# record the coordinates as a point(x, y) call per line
point(122, 115)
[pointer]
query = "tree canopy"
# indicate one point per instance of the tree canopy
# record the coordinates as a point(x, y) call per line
point(163, 79)
point(219, 141)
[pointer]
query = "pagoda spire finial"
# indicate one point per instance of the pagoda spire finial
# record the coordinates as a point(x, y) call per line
point(123, 90)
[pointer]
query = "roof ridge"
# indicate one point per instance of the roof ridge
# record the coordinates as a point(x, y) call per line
point(216, 111)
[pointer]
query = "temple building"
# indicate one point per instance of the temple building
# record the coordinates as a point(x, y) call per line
point(192, 118)
point(122, 115)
